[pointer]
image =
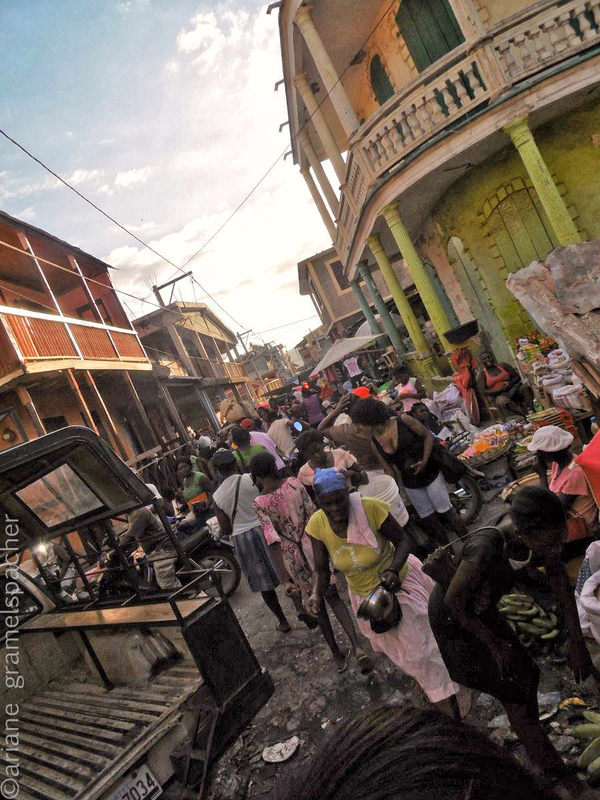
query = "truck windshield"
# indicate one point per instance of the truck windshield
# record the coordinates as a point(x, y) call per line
point(59, 496)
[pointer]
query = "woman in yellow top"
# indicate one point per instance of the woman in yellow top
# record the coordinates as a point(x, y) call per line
point(365, 542)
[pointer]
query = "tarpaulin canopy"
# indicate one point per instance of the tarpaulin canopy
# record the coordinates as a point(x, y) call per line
point(341, 349)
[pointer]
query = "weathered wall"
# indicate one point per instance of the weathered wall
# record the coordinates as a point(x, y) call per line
point(494, 11)
point(431, 246)
point(570, 150)
point(59, 400)
point(342, 302)
point(394, 55)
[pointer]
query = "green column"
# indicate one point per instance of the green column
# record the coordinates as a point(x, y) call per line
point(425, 288)
point(365, 307)
point(386, 319)
point(560, 219)
point(403, 305)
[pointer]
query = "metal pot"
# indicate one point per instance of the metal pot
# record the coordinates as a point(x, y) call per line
point(376, 604)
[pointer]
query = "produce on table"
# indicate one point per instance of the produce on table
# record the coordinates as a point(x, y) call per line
point(528, 620)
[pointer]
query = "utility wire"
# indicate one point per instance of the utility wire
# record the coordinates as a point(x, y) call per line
point(235, 210)
point(284, 151)
point(112, 219)
point(287, 324)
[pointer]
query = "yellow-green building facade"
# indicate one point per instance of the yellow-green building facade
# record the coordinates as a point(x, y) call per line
point(462, 132)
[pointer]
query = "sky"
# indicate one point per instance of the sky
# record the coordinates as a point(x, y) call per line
point(164, 114)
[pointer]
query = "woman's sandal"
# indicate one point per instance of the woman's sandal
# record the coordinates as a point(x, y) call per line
point(344, 666)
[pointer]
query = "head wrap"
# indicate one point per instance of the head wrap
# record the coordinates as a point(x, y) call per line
point(247, 424)
point(328, 480)
point(362, 392)
point(550, 439)
point(223, 457)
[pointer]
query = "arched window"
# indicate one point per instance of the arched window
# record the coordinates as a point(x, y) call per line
point(429, 29)
point(380, 82)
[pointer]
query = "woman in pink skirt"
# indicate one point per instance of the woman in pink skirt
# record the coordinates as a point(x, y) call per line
point(365, 542)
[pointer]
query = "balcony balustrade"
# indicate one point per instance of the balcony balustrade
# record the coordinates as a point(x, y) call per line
point(205, 367)
point(470, 76)
point(43, 338)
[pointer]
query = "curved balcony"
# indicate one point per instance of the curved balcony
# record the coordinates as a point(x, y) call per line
point(525, 46)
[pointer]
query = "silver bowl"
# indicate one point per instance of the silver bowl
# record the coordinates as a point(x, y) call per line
point(376, 604)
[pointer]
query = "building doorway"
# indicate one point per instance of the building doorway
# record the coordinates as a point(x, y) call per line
point(479, 305)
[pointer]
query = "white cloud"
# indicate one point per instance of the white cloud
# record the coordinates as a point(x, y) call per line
point(235, 117)
point(13, 187)
point(126, 6)
point(27, 215)
point(143, 226)
point(133, 177)
point(69, 135)
point(84, 176)
point(213, 130)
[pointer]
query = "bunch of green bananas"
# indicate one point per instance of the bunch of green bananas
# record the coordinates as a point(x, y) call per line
point(527, 619)
point(590, 758)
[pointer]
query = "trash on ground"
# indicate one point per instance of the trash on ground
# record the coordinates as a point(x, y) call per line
point(282, 751)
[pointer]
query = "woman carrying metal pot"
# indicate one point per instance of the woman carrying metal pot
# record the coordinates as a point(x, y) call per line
point(365, 542)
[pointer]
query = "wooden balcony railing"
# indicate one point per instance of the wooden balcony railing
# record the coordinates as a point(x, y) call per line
point(205, 367)
point(41, 337)
point(174, 365)
point(470, 76)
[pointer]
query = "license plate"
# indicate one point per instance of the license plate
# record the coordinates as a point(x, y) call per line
point(138, 785)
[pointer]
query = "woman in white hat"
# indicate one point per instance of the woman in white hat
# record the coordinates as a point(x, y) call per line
point(567, 480)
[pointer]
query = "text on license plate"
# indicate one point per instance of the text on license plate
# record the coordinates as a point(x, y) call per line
point(138, 785)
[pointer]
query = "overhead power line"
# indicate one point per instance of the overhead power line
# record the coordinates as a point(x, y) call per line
point(113, 220)
point(227, 220)
point(287, 324)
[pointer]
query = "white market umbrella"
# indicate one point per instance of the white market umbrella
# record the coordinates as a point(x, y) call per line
point(341, 349)
point(365, 329)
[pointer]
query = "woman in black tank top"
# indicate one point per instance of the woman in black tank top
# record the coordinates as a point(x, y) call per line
point(406, 443)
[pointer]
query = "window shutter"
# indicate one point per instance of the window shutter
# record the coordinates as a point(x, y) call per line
point(380, 82)
point(430, 30)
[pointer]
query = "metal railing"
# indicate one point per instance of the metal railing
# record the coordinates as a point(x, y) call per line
point(38, 337)
point(466, 78)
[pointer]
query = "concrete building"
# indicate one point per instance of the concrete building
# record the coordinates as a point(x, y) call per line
point(193, 355)
point(313, 346)
point(68, 353)
point(463, 134)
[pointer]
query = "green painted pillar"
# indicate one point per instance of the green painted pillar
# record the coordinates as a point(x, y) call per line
point(416, 267)
point(386, 319)
point(365, 307)
point(537, 169)
point(403, 305)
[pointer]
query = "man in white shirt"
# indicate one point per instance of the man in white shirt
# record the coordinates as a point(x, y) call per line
point(233, 502)
point(280, 431)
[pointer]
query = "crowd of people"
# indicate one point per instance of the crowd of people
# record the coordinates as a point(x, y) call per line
point(311, 491)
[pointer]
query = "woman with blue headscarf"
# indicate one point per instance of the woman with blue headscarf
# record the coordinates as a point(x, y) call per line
point(364, 541)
